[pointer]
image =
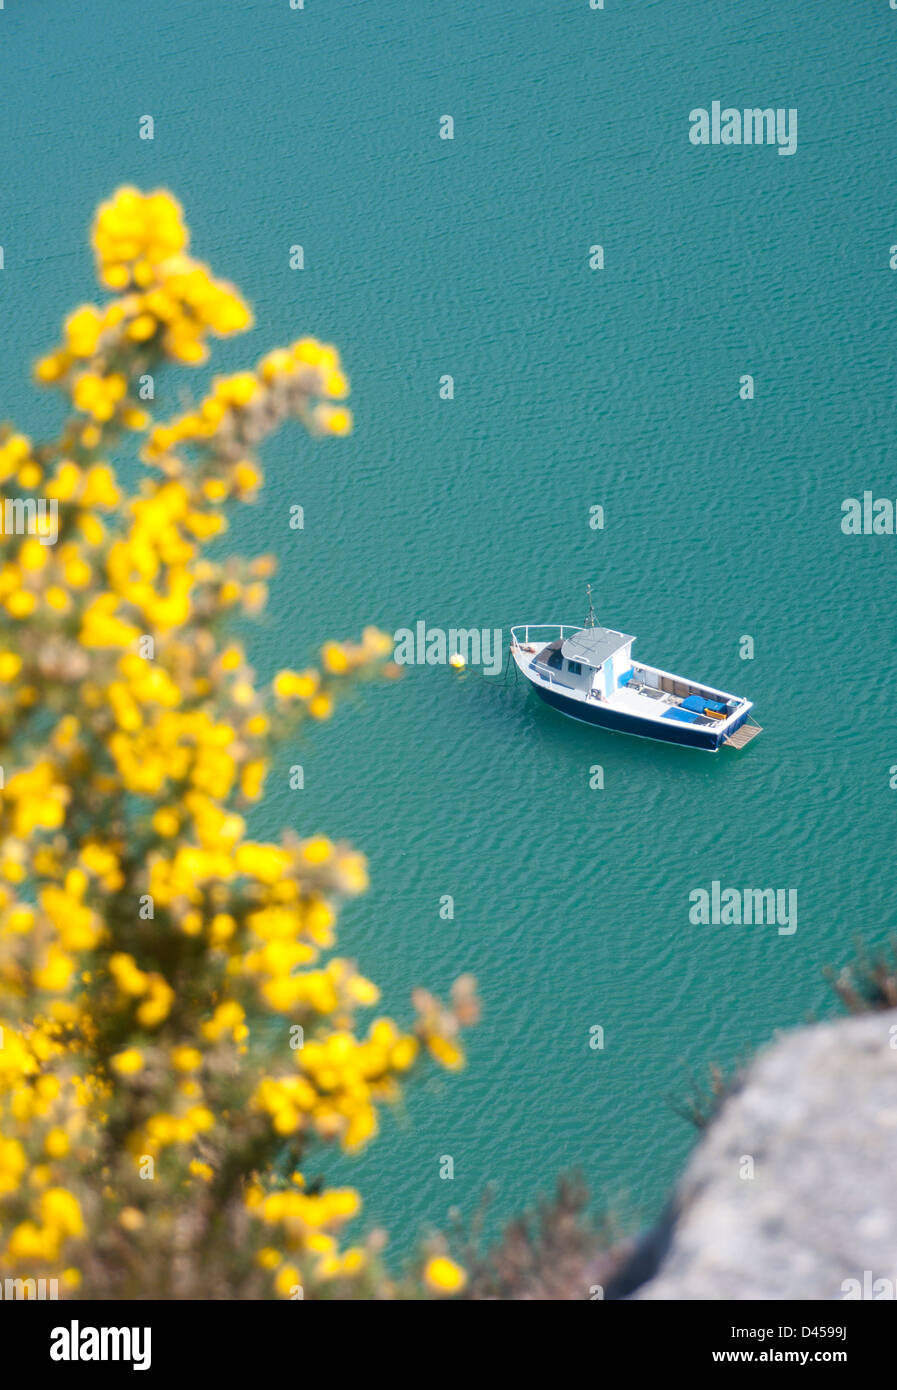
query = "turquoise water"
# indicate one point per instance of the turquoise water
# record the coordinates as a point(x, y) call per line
point(573, 389)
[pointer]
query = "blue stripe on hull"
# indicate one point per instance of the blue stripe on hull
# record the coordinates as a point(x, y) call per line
point(662, 731)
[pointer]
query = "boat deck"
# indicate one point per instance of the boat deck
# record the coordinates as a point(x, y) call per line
point(635, 701)
point(644, 701)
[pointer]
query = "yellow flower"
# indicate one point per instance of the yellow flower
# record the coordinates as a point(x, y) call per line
point(321, 706)
point(156, 1007)
point(57, 598)
point(33, 555)
point(442, 1275)
point(317, 850)
point(446, 1051)
point(60, 1211)
point(99, 487)
point(50, 368)
point(141, 328)
point(56, 1144)
point(332, 419)
point(82, 330)
point(10, 666)
point(28, 1242)
point(165, 821)
point(186, 1058)
point(335, 658)
point(56, 972)
point(287, 1280)
point(129, 1062)
point(21, 603)
point(12, 1165)
point(126, 974)
point(221, 928)
point(264, 862)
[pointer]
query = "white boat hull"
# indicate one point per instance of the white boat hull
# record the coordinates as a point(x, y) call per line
point(647, 702)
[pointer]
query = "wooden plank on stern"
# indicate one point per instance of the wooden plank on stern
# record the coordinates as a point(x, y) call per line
point(742, 737)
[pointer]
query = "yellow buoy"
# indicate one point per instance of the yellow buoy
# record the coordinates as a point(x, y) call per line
point(457, 661)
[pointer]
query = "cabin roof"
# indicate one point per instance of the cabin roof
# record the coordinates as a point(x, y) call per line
point(593, 645)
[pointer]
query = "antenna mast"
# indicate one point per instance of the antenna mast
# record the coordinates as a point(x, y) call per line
point(590, 620)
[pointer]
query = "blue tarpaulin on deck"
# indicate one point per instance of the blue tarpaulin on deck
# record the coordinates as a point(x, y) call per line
point(685, 716)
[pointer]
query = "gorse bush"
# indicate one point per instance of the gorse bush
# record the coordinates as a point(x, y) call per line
point(177, 1031)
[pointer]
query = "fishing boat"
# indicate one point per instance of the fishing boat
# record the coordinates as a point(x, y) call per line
point(588, 673)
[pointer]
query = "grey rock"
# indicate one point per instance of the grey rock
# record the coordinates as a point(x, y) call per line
point(815, 1120)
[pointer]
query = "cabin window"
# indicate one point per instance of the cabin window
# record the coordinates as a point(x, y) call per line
point(574, 668)
point(556, 661)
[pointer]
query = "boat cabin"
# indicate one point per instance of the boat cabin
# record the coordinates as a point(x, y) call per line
point(595, 661)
